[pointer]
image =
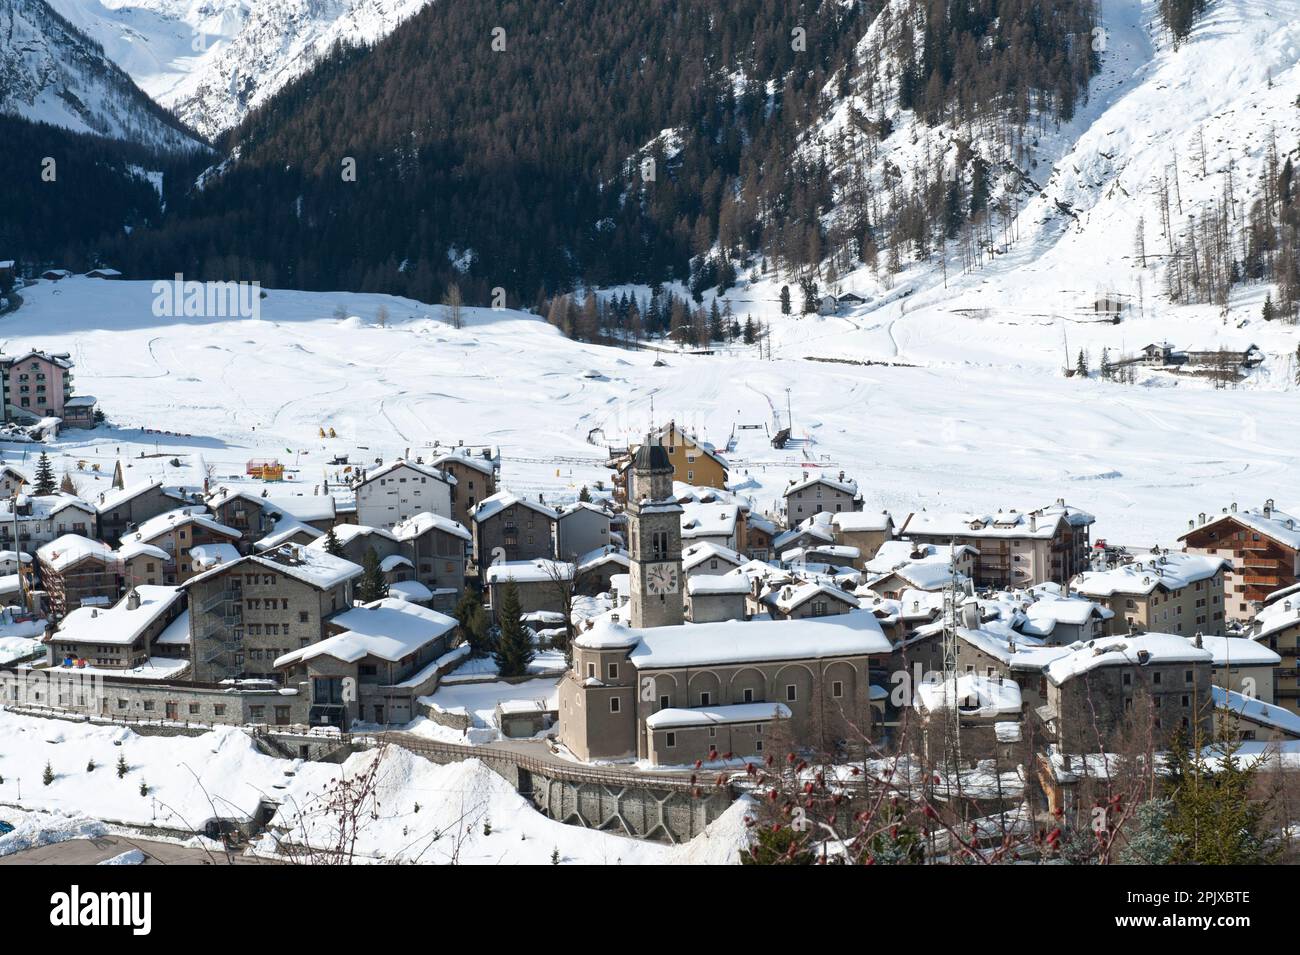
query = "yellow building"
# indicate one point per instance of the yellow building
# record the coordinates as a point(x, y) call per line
point(694, 461)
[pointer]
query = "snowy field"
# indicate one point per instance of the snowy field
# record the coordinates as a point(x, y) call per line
point(1000, 427)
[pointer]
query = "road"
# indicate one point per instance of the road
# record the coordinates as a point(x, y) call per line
point(95, 851)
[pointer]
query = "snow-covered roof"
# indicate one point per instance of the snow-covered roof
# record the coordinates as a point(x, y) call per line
point(285, 530)
point(394, 561)
point(1239, 652)
point(716, 584)
point(1003, 524)
point(411, 590)
point(1268, 521)
point(423, 470)
point(810, 554)
point(698, 553)
point(210, 555)
point(114, 499)
point(792, 596)
point(675, 718)
point(118, 625)
point(529, 571)
point(738, 641)
point(498, 502)
point(818, 530)
point(426, 521)
point(1256, 710)
point(853, 522)
point(582, 507)
point(390, 629)
point(1074, 516)
point(140, 549)
point(302, 507)
point(1046, 612)
point(848, 487)
point(608, 554)
point(176, 633)
point(709, 520)
point(180, 517)
point(973, 694)
point(1132, 650)
point(346, 532)
point(1172, 570)
point(478, 463)
point(65, 551)
point(893, 554)
point(1276, 616)
point(1017, 651)
point(921, 575)
point(317, 568)
point(43, 506)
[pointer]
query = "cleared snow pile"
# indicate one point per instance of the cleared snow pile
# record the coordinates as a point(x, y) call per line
point(32, 829)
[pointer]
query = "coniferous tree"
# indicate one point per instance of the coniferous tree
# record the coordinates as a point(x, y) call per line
point(44, 476)
point(473, 620)
point(514, 649)
point(1148, 841)
point(333, 545)
point(1081, 365)
point(785, 300)
point(372, 585)
point(1216, 816)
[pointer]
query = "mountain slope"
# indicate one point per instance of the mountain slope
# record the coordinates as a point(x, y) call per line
point(211, 61)
point(1171, 137)
point(52, 73)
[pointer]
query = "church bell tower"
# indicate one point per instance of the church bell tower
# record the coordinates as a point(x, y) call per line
point(655, 539)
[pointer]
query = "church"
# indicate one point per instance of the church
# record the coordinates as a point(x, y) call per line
point(667, 692)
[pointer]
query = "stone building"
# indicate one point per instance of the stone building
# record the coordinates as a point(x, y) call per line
point(437, 548)
point(542, 585)
point(246, 613)
point(380, 660)
point(1169, 592)
point(820, 494)
point(674, 694)
point(654, 540)
point(1016, 550)
point(1100, 687)
point(865, 530)
point(511, 528)
point(121, 511)
point(475, 480)
point(118, 637)
point(177, 533)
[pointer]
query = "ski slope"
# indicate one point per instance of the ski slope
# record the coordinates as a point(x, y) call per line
point(948, 434)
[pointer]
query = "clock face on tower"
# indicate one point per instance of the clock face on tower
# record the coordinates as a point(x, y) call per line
point(661, 579)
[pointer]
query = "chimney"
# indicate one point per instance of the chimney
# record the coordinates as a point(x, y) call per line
point(1268, 508)
point(1200, 644)
point(1234, 507)
point(1202, 517)
point(133, 599)
point(1033, 522)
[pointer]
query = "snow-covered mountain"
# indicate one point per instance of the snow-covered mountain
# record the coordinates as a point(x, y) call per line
point(1168, 134)
point(211, 61)
point(51, 72)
